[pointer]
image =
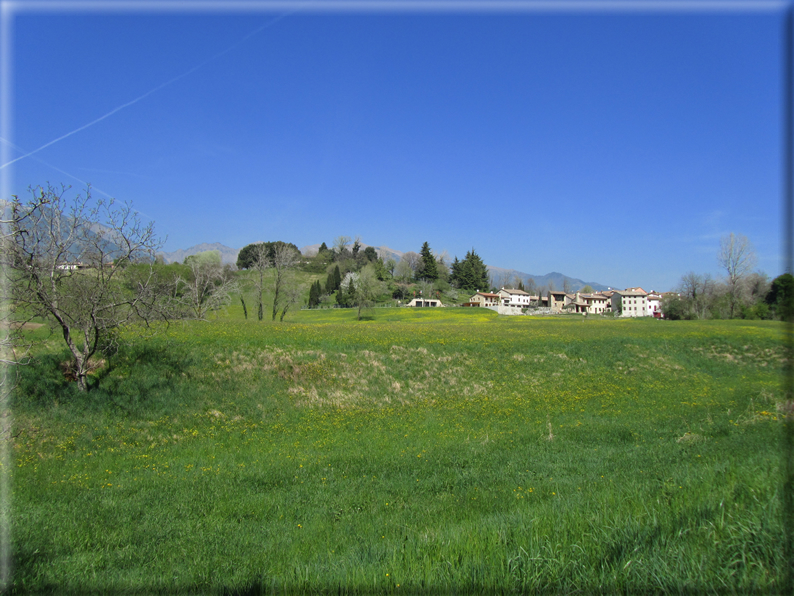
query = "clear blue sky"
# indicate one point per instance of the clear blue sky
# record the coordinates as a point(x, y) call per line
point(613, 147)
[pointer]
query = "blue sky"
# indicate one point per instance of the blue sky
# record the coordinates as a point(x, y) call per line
point(611, 146)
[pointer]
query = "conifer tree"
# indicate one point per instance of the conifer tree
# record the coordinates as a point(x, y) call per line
point(471, 274)
point(430, 267)
point(314, 294)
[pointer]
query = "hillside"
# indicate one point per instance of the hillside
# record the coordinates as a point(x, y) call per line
point(499, 275)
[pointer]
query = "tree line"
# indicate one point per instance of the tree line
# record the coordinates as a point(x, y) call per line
point(742, 292)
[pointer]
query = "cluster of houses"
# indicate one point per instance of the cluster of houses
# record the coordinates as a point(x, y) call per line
point(631, 302)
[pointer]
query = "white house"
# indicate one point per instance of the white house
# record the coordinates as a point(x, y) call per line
point(655, 304)
point(512, 297)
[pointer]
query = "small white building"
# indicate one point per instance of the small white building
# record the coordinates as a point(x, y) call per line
point(422, 302)
point(655, 304)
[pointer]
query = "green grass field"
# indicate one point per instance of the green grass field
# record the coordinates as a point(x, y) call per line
point(429, 451)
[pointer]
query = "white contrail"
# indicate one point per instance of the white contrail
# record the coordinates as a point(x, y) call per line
point(80, 180)
point(148, 93)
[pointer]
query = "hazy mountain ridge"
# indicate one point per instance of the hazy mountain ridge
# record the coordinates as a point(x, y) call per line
point(499, 275)
point(505, 277)
point(228, 255)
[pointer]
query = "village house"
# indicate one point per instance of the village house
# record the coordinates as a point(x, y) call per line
point(558, 300)
point(596, 303)
point(484, 299)
point(655, 304)
point(512, 297)
point(630, 303)
point(576, 304)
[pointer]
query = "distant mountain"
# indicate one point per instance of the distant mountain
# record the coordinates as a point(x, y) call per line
point(503, 277)
point(228, 255)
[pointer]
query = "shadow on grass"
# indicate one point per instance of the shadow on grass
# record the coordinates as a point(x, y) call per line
point(137, 377)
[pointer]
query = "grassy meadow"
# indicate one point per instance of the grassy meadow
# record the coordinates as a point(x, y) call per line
point(416, 451)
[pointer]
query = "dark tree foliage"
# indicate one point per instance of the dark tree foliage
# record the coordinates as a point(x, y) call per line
point(470, 274)
point(346, 297)
point(333, 281)
point(323, 248)
point(429, 265)
point(315, 293)
point(246, 258)
point(781, 296)
point(371, 254)
point(674, 308)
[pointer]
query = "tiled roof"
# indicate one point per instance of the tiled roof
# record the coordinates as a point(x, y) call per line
point(514, 291)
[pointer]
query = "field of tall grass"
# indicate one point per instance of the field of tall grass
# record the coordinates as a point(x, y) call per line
point(416, 451)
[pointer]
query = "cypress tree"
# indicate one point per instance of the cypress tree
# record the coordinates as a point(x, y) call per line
point(337, 278)
point(313, 295)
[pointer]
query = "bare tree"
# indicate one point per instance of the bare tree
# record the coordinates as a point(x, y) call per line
point(261, 264)
point(207, 289)
point(291, 295)
point(566, 285)
point(284, 259)
point(737, 258)
point(413, 260)
point(531, 287)
point(696, 290)
point(66, 262)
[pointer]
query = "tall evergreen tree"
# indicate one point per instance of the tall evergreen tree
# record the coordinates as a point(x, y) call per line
point(471, 274)
point(313, 299)
point(430, 267)
point(337, 278)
